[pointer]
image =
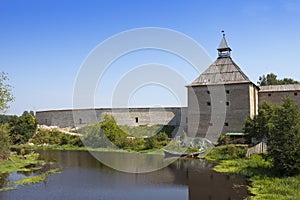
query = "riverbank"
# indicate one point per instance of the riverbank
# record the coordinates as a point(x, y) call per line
point(258, 169)
point(76, 148)
point(34, 170)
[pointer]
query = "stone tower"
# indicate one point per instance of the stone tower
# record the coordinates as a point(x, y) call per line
point(221, 98)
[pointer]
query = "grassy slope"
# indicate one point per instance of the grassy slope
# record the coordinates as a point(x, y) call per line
point(258, 169)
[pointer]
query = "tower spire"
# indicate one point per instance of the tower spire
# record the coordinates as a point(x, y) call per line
point(223, 49)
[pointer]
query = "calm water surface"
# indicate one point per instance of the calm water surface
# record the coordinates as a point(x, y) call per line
point(84, 177)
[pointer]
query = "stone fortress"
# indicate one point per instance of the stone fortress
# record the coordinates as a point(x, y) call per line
point(219, 101)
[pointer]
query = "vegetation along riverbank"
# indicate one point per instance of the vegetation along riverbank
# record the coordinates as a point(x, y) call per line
point(29, 167)
point(265, 183)
point(274, 175)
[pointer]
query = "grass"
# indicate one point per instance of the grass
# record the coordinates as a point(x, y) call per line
point(226, 152)
point(75, 148)
point(19, 163)
point(145, 130)
point(258, 169)
point(27, 163)
point(36, 179)
point(270, 188)
point(254, 166)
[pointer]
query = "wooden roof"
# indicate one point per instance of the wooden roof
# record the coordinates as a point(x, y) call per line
point(222, 71)
point(280, 88)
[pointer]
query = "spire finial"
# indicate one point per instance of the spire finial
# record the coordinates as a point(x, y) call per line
point(224, 49)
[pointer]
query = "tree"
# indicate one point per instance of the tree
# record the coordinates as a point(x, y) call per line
point(22, 128)
point(5, 92)
point(4, 141)
point(25, 113)
point(5, 97)
point(271, 79)
point(113, 132)
point(281, 126)
point(284, 145)
point(261, 125)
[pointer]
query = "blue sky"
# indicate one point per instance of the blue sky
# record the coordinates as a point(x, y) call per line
point(44, 43)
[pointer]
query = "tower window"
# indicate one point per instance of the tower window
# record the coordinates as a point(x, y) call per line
point(80, 121)
point(295, 94)
point(136, 120)
point(227, 103)
point(208, 92)
point(227, 91)
point(226, 124)
point(269, 94)
point(208, 103)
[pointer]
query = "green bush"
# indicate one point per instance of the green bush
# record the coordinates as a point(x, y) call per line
point(55, 137)
point(227, 152)
point(22, 128)
point(223, 139)
point(162, 136)
point(107, 132)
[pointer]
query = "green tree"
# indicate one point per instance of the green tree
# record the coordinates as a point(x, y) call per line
point(113, 132)
point(281, 125)
point(261, 125)
point(284, 145)
point(22, 128)
point(5, 92)
point(6, 118)
point(271, 79)
point(4, 141)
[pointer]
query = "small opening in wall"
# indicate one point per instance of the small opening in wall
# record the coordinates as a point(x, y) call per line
point(295, 94)
point(136, 120)
point(208, 92)
point(269, 94)
point(208, 103)
point(227, 91)
point(80, 121)
point(227, 103)
point(226, 124)
point(210, 124)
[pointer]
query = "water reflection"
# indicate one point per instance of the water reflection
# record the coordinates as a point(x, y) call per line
point(83, 177)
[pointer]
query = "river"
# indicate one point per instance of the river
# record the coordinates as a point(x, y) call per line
point(84, 177)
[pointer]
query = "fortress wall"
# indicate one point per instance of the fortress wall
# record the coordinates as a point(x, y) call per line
point(276, 97)
point(125, 116)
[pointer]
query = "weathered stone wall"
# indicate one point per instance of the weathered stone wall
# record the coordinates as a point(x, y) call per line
point(277, 96)
point(125, 116)
point(232, 104)
point(241, 105)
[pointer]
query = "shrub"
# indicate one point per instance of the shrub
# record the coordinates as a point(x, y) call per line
point(55, 137)
point(223, 139)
